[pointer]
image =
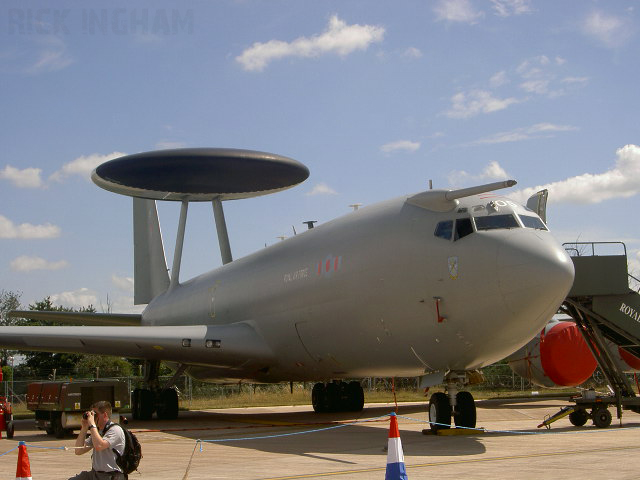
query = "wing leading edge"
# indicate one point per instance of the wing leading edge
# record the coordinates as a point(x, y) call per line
point(79, 318)
point(234, 346)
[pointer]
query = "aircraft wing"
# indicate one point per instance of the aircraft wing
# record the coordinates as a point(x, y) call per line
point(79, 318)
point(232, 346)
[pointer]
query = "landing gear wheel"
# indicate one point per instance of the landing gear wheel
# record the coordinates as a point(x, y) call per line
point(601, 417)
point(355, 397)
point(578, 417)
point(439, 412)
point(319, 398)
point(167, 408)
point(143, 404)
point(332, 392)
point(465, 415)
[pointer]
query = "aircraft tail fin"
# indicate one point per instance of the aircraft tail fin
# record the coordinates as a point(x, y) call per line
point(538, 203)
point(151, 276)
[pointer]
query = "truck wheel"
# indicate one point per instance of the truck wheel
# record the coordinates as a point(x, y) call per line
point(58, 431)
point(11, 428)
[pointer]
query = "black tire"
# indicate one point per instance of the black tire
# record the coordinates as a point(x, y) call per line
point(318, 398)
point(439, 412)
point(355, 397)
point(465, 410)
point(11, 428)
point(58, 430)
point(167, 408)
point(578, 417)
point(332, 395)
point(49, 430)
point(146, 404)
point(601, 417)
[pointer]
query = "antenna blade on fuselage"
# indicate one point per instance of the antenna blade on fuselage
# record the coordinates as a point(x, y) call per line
point(489, 187)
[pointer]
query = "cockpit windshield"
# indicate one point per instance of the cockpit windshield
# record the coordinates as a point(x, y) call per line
point(532, 222)
point(493, 222)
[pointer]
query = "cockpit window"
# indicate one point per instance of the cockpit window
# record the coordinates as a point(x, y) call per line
point(463, 228)
point(493, 222)
point(532, 222)
point(444, 229)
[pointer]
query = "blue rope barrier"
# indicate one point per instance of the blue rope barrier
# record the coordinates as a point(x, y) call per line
point(262, 437)
point(522, 432)
point(8, 451)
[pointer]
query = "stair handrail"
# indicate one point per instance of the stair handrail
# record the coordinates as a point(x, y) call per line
point(568, 247)
point(637, 282)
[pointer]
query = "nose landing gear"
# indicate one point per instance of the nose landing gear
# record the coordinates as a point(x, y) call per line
point(459, 404)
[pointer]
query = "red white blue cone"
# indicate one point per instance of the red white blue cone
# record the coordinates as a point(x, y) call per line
point(396, 469)
point(23, 471)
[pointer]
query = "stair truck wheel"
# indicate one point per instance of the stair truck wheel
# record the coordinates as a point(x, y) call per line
point(439, 412)
point(578, 417)
point(601, 417)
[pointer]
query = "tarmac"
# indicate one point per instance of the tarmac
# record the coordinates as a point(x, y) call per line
point(333, 446)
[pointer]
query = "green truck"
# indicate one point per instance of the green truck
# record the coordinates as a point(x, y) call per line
point(59, 405)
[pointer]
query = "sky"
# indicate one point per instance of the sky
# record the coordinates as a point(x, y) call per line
point(376, 98)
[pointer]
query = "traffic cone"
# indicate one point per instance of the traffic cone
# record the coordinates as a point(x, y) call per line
point(23, 471)
point(396, 469)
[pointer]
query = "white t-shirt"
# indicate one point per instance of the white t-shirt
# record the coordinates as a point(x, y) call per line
point(105, 460)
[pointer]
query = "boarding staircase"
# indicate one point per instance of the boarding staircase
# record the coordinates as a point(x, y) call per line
point(604, 306)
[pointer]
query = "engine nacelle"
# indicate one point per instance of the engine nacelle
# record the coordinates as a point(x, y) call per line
point(557, 357)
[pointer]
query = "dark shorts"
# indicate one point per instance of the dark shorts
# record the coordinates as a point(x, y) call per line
point(93, 475)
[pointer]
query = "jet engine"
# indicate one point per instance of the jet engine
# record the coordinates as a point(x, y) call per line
point(557, 357)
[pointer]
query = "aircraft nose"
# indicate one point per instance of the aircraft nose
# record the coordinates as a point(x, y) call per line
point(534, 273)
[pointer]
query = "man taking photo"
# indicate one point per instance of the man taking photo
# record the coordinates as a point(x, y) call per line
point(96, 434)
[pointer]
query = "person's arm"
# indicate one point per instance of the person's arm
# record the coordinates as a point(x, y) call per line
point(99, 443)
point(80, 441)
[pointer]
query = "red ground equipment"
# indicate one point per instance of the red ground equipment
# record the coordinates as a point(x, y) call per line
point(6, 418)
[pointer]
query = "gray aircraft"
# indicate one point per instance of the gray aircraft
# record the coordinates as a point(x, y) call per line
point(433, 285)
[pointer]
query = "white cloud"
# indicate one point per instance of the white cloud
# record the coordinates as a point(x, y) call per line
point(339, 38)
point(461, 11)
point(621, 181)
point(507, 8)
point(539, 130)
point(52, 55)
point(322, 189)
point(499, 79)
point(83, 166)
point(400, 145)
point(26, 263)
point(83, 297)
point(412, 52)
point(8, 229)
point(493, 171)
point(475, 102)
point(26, 178)
point(123, 283)
point(607, 29)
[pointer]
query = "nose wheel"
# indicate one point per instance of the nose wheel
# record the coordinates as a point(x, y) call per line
point(463, 411)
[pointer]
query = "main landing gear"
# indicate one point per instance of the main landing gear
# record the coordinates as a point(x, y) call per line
point(337, 397)
point(459, 404)
point(163, 400)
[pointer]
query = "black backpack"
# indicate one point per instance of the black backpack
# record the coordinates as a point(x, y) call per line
point(132, 453)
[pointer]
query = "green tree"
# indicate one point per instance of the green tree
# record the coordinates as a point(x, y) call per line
point(45, 362)
point(106, 366)
point(8, 301)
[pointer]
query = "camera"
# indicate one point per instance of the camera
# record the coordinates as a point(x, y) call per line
point(85, 415)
